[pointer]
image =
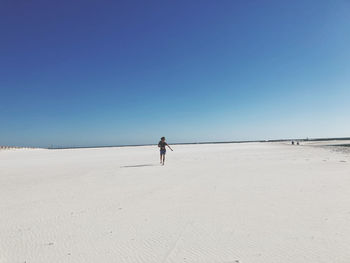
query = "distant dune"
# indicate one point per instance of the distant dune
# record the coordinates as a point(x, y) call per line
point(15, 148)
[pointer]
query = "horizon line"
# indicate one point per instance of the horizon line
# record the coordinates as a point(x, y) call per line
point(52, 147)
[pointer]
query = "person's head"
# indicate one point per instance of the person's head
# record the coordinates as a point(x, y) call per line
point(162, 139)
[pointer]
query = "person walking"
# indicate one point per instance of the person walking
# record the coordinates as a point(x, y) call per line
point(162, 143)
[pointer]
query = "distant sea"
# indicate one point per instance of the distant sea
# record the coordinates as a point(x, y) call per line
point(220, 142)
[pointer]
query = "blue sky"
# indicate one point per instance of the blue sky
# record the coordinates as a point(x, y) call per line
point(79, 73)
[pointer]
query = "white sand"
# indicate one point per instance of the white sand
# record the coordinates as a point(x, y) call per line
point(253, 202)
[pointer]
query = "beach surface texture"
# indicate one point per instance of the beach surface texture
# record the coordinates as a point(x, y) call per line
point(215, 203)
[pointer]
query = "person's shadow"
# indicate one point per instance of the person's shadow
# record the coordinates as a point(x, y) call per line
point(137, 165)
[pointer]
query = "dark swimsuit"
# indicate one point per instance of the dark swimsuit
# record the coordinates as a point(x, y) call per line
point(162, 147)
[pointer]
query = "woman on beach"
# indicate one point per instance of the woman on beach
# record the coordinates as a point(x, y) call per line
point(162, 143)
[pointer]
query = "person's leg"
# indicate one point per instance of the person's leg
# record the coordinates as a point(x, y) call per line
point(163, 158)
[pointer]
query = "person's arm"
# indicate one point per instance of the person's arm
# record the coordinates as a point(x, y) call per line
point(169, 147)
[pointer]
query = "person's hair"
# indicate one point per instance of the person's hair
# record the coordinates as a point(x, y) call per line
point(163, 138)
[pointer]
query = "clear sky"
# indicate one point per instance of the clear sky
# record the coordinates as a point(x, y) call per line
point(79, 73)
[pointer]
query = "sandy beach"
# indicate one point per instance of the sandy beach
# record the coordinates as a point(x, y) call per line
point(224, 203)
